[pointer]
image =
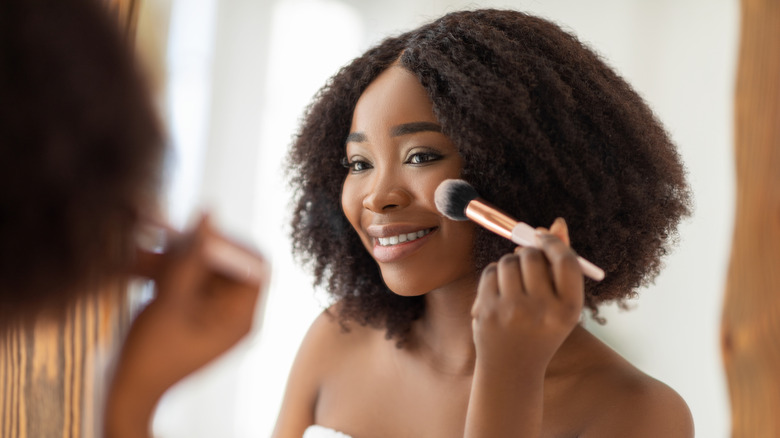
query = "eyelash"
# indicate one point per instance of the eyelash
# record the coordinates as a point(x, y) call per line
point(351, 165)
point(427, 157)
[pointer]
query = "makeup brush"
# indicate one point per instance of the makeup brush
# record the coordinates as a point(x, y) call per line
point(458, 200)
point(223, 255)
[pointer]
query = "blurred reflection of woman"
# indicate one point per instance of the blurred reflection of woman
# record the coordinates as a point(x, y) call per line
point(80, 164)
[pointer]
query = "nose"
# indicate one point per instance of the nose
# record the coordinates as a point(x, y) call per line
point(386, 193)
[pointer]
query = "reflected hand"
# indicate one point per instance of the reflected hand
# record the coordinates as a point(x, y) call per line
point(198, 314)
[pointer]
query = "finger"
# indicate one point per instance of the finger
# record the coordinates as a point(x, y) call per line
point(537, 279)
point(146, 264)
point(487, 290)
point(561, 230)
point(236, 261)
point(510, 279)
point(185, 270)
point(565, 270)
point(488, 281)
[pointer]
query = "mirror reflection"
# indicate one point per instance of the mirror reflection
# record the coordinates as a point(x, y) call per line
point(251, 70)
point(233, 81)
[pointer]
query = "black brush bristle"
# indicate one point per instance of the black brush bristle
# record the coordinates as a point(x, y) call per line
point(453, 196)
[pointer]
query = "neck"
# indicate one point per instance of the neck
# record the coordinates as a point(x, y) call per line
point(580, 350)
point(443, 336)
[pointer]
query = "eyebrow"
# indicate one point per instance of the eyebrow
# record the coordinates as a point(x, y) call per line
point(357, 137)
point(404, 129)
point(415, 127)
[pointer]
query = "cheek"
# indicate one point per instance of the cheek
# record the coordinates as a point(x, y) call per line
point(427, 183)
point(460, 235)
point(351, 204)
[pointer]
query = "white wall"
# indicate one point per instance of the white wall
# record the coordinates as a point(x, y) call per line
point(264, 60)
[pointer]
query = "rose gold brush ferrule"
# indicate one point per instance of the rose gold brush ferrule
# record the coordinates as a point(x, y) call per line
point(521, 233)
point(490, 217)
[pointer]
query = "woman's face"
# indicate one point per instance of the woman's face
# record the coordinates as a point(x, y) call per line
point(397, 157)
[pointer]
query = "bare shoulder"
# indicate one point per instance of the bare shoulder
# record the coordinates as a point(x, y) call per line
point(634, 404)
point(629, 402)
point(323, 351)
point(331, 334)
point(330, 342)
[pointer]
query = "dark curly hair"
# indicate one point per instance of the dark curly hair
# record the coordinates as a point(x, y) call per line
point(80, 152)
point(546, 129)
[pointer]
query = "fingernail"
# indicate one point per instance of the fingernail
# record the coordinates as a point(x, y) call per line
point(538, 238)
point(489, 269)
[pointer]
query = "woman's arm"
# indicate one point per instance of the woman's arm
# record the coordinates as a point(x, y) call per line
point(197, 315)
point(300, 398)
point(526, 306)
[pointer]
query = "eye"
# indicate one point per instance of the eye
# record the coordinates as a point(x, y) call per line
point(356, 165)
point(423, 157)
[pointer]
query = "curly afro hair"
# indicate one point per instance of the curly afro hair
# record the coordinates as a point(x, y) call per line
point(80, 152)
point(546, 129)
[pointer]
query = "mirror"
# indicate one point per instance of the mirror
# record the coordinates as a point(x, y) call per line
point(235, 76)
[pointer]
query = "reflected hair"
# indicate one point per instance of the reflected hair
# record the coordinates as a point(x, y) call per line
point(80, 153)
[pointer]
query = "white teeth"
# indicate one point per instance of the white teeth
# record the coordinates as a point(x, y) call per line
point(401, 238)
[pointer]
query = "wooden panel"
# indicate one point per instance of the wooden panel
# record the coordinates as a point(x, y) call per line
point(126, 12)
point(751, 317)
point(52, 373)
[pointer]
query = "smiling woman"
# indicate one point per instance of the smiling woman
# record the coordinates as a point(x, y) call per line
point(441, 335)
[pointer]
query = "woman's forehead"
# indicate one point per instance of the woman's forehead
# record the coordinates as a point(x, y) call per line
point(395, 97)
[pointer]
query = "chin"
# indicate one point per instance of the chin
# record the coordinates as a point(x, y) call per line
point(418, 276)
point(417, 282)
point(406, 292)
point(402, 288)
point(405, 285)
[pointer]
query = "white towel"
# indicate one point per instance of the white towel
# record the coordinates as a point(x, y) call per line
point(317, 431)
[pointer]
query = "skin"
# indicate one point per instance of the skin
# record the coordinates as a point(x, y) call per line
point(198, 314)
point(496, 354)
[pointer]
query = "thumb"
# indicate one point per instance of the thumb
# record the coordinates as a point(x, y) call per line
point(186, 269)
point(560, 230)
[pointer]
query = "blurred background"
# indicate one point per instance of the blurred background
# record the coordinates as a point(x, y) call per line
point(234, 76)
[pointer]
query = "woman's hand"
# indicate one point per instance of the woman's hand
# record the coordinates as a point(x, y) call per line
point(197, 315)
point(527, 304)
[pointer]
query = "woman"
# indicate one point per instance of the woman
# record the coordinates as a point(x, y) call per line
point(429, 335)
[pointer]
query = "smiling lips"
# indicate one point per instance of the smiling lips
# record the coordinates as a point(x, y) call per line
point(391, 248)
point(401, 238)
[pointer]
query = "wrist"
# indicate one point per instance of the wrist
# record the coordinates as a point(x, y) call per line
point(516, 362)
point(505, 401)
point(130, 406)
